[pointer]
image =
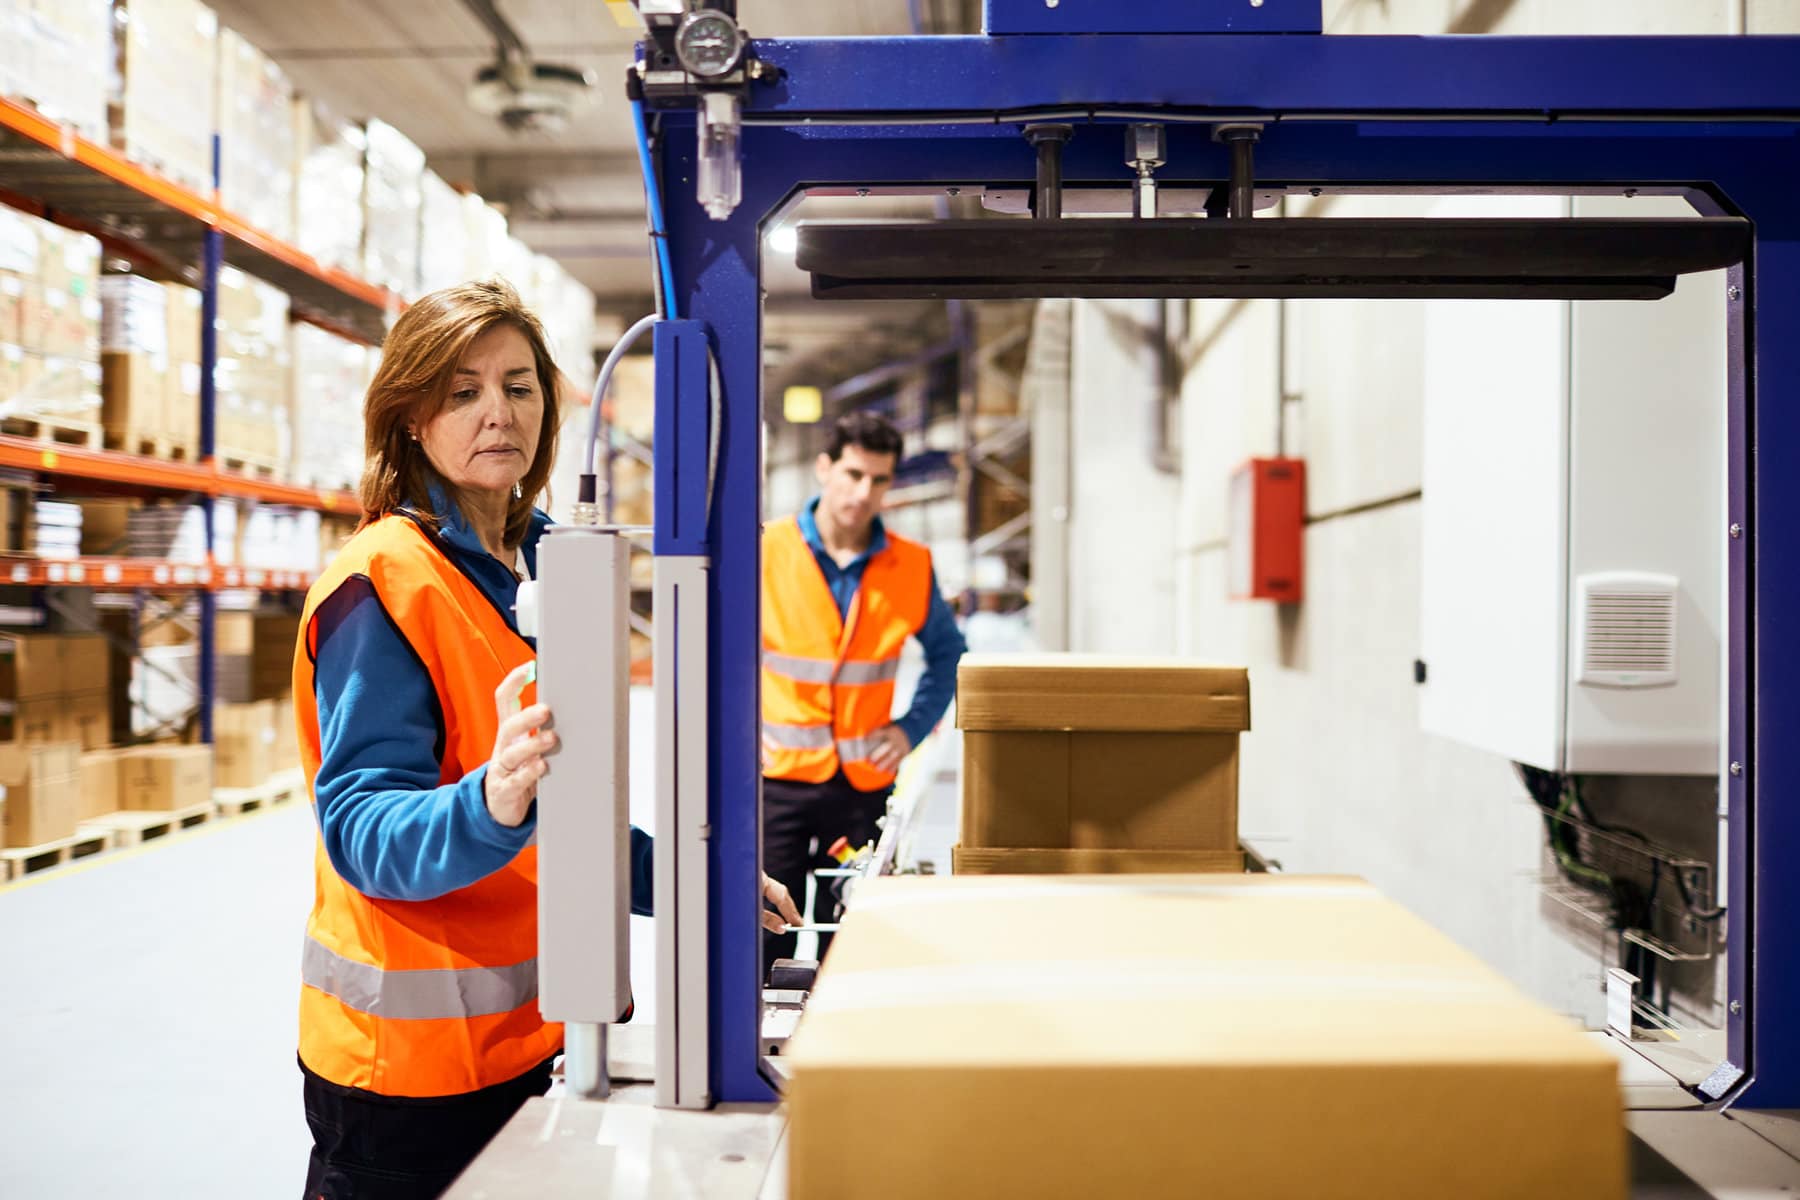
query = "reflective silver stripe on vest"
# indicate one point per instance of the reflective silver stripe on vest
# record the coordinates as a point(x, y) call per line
point(857, 749)
point(824, 670)
point(432, 995)
point(805, 670)
point(873, 671)
point(797, 737)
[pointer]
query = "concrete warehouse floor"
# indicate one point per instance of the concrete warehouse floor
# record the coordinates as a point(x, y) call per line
point(147, 1019)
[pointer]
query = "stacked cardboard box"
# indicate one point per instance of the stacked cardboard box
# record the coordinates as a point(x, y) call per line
point(57, 532)
point(18, 500)
point(1074, 763)
point(1228, 1036)
point(49, 322)
point(254, 110)
point(393, 171)
point(330, 380)
point(274, 637)
point(162, 111)
point(252, 376)
point(442, 234)
point(328, 185)
point(135, 363)
point(165, 778)
point(279, 538)
point(104, 526)
point(286, 753)
point(173, 532)
point(40, 792)
point(181, 411)
point(234, 640)
point(54, 688)
point(56, 55)
point(244, 743)
point(100, 783)
point(334, 533)
point(484, 237)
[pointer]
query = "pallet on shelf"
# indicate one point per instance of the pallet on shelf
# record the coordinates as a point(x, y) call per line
point(133, 827)
point(18, 861)
point(151, 445)
point(251, 467)
point(279, 788)
point(55, 431)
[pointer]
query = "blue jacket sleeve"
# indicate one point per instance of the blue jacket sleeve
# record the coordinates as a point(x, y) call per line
point(944, 647)
point(389, 828)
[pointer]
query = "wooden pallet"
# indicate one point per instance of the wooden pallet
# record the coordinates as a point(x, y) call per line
point(134, 828)
point(54, 431)
point(277, 789)
point(150, 445)
point(19, 861)
point(250, 468)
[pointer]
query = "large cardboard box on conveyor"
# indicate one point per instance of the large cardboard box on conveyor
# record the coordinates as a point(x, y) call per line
point(1175, 1036)
point(1072, 752)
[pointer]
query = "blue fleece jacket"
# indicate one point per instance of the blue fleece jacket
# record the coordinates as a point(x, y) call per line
point(391, 831)
point(939, 637)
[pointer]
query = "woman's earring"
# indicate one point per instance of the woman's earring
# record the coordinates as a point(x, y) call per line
point(518, 491)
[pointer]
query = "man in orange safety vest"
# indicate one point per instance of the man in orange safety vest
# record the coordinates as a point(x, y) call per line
point(840, 597)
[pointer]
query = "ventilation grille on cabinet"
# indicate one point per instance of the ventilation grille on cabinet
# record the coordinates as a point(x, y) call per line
point(1627, 629)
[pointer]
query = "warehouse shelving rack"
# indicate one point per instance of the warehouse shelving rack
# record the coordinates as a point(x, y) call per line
point(171, 233)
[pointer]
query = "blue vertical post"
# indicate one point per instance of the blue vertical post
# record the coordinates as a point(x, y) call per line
point(715, 267)
point(1765, 562)
point(213, 256)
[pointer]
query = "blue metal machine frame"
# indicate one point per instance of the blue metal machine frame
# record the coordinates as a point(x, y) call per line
point(1395, 114)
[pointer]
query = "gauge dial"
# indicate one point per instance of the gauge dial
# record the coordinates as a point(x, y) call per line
point(709, 44)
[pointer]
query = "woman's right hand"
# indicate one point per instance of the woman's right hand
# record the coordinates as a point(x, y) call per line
point(519, 748)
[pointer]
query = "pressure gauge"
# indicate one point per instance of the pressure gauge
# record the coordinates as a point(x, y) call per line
point(709, 43)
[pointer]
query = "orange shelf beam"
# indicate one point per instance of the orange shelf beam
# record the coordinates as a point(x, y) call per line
point(156, 474)
point(106, 466)
point(131, 574)
point(230, 483)
point(257, 245)
point(53, 135)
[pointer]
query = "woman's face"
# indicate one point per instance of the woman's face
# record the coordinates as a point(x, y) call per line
point(486, 436)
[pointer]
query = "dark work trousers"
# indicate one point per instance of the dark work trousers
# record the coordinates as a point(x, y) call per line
point(800, 822)
point(370, 1147)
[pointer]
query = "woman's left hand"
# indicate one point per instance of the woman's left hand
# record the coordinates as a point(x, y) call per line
point(785, 913)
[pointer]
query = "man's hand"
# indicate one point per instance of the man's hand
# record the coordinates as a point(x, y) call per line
point(785, 913)
point(894, 747)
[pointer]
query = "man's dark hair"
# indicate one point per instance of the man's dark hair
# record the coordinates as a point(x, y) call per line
point(868, 431)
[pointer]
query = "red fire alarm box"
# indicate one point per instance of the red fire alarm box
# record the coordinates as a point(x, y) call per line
point(1267, 512)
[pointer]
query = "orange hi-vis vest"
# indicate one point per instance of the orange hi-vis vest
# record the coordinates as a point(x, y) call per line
point(423, 997)
point(828, 680)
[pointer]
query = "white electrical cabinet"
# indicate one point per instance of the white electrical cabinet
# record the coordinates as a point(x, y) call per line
point(1573, 539)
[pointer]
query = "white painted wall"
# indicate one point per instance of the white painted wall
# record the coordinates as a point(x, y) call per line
point(1337, 774)
point(1122, 586)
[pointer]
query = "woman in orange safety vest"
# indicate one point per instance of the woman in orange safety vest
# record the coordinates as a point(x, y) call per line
point(420, 1034)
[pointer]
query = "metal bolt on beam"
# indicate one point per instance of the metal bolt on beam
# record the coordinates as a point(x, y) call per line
point(1737, 531)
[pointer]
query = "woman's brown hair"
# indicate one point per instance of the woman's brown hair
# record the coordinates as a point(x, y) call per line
point(418, 367)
